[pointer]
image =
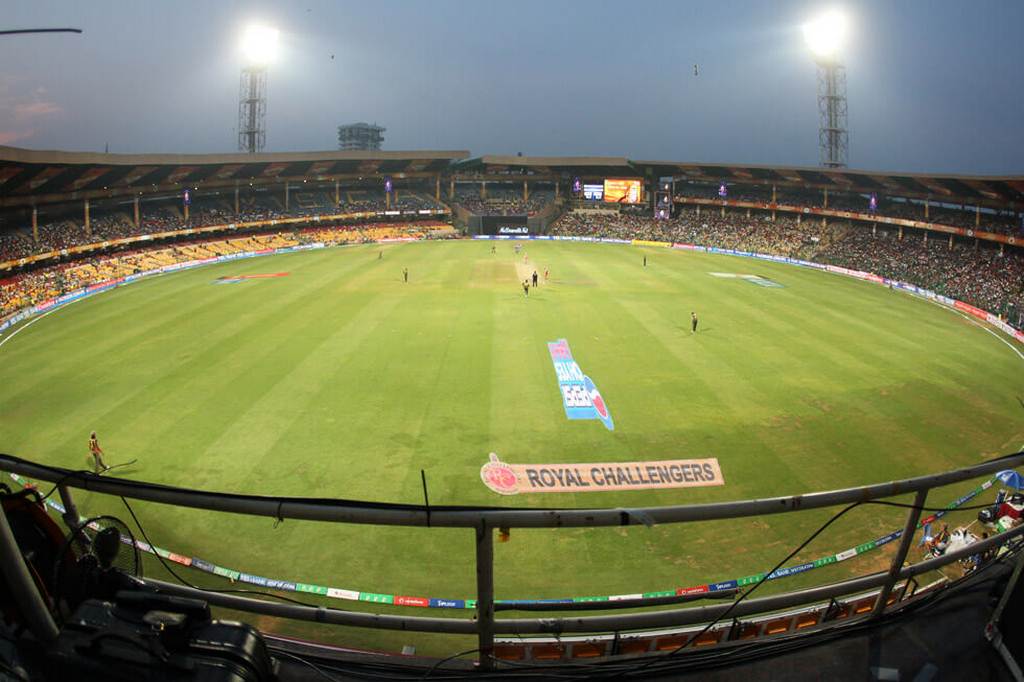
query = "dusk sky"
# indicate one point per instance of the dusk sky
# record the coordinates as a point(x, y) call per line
point(934, 85)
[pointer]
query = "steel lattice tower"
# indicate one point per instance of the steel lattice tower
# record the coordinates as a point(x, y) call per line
point(833, 137)
point(252, 109)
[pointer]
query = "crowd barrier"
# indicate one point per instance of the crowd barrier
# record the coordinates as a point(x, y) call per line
point(710, 588)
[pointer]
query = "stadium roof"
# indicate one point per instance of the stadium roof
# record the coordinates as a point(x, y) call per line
point(553, 166)
point(969, 189)
point(998, 191)
point(29, 176)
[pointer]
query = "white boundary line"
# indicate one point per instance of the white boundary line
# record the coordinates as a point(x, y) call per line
point(36, 319)
point(979, 325)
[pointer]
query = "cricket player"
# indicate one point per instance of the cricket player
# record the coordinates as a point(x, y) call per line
point(693, 323)
point(405, 274)
point(97, 453)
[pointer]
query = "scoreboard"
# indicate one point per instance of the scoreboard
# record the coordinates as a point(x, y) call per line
point(619, 191)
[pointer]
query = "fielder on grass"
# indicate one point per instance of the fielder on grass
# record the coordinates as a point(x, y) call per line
point(97, 453)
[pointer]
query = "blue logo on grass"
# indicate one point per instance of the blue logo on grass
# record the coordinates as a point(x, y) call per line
point(580, 396)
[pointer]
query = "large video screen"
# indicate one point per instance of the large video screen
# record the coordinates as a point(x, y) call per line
point(508, 225)
point(622, 191)
point(593, 192)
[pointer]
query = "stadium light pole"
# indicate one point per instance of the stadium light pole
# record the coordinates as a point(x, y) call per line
point(825, 36)
point(259, 47)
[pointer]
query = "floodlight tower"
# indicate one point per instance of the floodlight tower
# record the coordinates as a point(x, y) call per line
point(259, 45)
point(825, 37)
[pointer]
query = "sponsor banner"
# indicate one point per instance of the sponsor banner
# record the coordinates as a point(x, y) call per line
point(226, 572)
point(618, 597)
point(867, 546)
point(970, 310)
point(847, 554)
point(580, 396)
point(647, 242)
point(447, 603)
point(700, 589)
point(886, 539)
point(723, 586)
point(284, 585)
point(336, 593)
point(314, 589)
point(179, 559)
point(511, 479)
point(411, 601)
point(376, 598)
point(253, 579)
point(242, 278)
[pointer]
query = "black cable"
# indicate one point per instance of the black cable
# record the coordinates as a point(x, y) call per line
point(588, 669)
point(431, 669)
point(660, 661)
point(906, 505)
point(186, 583)
point(697, 659)
point(835, 517)
point(63, 479)
point(796, 640)
point(320, 671)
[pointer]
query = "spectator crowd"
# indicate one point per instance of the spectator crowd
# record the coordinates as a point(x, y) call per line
point(970, 271)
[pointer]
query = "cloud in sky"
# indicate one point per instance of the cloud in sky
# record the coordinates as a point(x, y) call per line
point(22, 109)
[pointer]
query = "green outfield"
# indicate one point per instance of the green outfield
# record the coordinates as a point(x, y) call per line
point(341, 380)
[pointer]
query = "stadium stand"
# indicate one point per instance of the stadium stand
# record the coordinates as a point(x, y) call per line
point(39, 285)
point(966, 271)
point(502, 201)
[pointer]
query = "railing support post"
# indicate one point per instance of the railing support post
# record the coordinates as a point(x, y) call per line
point(485, 595)
point(913, 516)
point(70, 516)
point(21, 586)
point(72, 519)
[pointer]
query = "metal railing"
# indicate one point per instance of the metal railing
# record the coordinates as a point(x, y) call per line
point(483, 521)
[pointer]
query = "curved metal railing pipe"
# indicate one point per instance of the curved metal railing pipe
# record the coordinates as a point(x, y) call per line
point(352, 511)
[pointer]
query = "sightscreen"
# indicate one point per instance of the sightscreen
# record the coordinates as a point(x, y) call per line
point(504, 225)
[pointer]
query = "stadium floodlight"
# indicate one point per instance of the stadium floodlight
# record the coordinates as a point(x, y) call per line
point(259, 45)
point(826, 36)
